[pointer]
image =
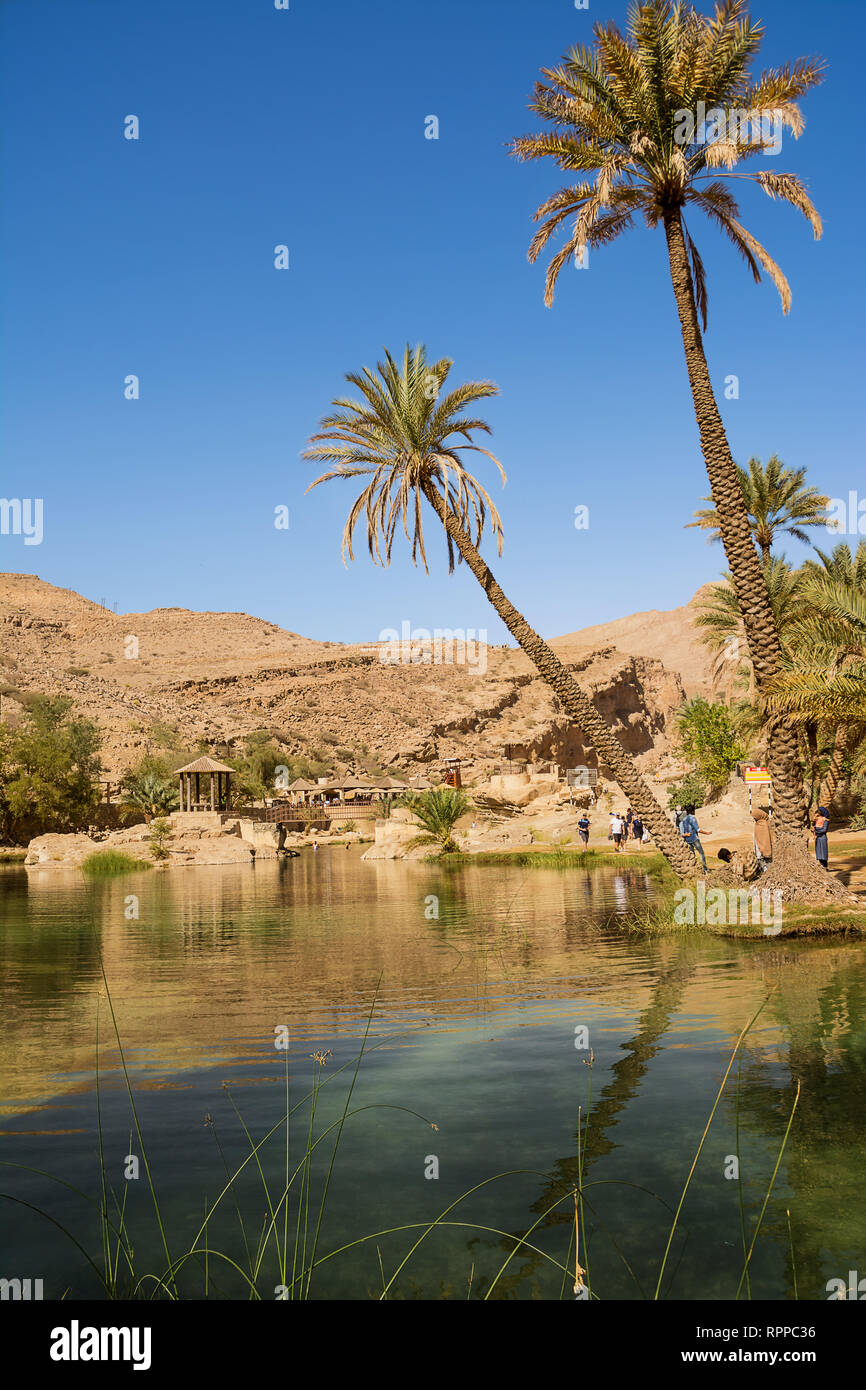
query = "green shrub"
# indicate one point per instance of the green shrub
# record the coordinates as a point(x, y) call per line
point(107, 862)
point(690, 789)
point(709, 741)
point(159, 838)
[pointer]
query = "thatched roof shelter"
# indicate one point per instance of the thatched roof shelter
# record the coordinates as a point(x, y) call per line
point(220, 784)
point(204, 764)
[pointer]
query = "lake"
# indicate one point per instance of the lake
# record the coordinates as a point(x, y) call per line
point(501, 1006)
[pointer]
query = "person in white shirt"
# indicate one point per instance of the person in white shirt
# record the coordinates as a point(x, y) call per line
point(616, 831)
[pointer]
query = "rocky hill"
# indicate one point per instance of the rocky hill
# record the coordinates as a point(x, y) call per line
point(214, 677)
point(670, 637)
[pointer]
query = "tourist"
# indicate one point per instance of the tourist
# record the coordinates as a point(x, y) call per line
point(691, 831)
point(763, 838)
point(678, 816)
point(645, 838)
point(583, 828)
point(820, 826)
point(616, 826)
point(637, 830)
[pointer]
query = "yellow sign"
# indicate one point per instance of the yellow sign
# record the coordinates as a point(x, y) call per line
point(757, 774)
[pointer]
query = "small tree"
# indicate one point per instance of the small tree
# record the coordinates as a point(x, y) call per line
point(709, 741)
point(159, 839)
point(152, 794)
point(438, 810)
point(690, 791)
point(51, 767)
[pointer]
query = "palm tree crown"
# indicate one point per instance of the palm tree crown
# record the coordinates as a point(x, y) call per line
point(840, 565)
point(438, 810)
point(628, 111)
point(777, 500)
point(407, 437)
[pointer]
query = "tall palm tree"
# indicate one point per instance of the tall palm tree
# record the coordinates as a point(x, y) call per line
point(626, 114)
point(847, 738)
point(407, 434)
point(777, 499)
point(719, 620)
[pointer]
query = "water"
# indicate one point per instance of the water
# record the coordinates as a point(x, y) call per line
point(473, 1018)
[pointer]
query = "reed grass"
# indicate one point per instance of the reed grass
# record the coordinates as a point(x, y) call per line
point(105, 863)
point(296, 1247)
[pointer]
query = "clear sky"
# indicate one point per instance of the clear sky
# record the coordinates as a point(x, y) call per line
point(306, 127)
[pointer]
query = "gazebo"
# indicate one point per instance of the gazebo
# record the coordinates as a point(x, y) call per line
point(220, 785)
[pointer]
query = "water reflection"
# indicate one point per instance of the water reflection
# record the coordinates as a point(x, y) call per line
point(480, 1000)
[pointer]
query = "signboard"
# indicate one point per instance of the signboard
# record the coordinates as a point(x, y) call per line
point(581, 777)
point(757, 775)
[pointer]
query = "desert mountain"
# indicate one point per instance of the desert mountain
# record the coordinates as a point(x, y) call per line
point(669, 637)
point(214, 677)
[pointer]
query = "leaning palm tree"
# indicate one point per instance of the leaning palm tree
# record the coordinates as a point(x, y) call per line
point(438, 810)
point(777, 500)
point(406, 435)
point(628, 116)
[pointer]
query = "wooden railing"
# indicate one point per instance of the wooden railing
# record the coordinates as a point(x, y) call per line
point(285, 813)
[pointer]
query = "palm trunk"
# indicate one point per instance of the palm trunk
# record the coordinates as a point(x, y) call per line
point(814, 760)
point(743, 560)
point(574, 700)
point(834, 771)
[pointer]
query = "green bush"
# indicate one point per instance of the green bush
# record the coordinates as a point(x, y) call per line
point(709, 741)
point(691, 789)
point(49, 770)
point(161, 834)
point(107, 862)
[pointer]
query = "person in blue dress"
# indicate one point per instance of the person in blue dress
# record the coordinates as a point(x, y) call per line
point(820, 826)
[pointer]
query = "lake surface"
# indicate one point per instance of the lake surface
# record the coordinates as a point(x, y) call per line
point(475, 987)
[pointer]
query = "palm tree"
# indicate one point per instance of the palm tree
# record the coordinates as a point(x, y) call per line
point(152, 794)
point(407, 435)
point(438, 810)
point(841, 567)
point(824, 682)
point(627, 112)
point(721, 627)
point(776, 499)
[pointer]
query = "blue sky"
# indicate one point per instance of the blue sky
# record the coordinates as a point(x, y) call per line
point(261, 127)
